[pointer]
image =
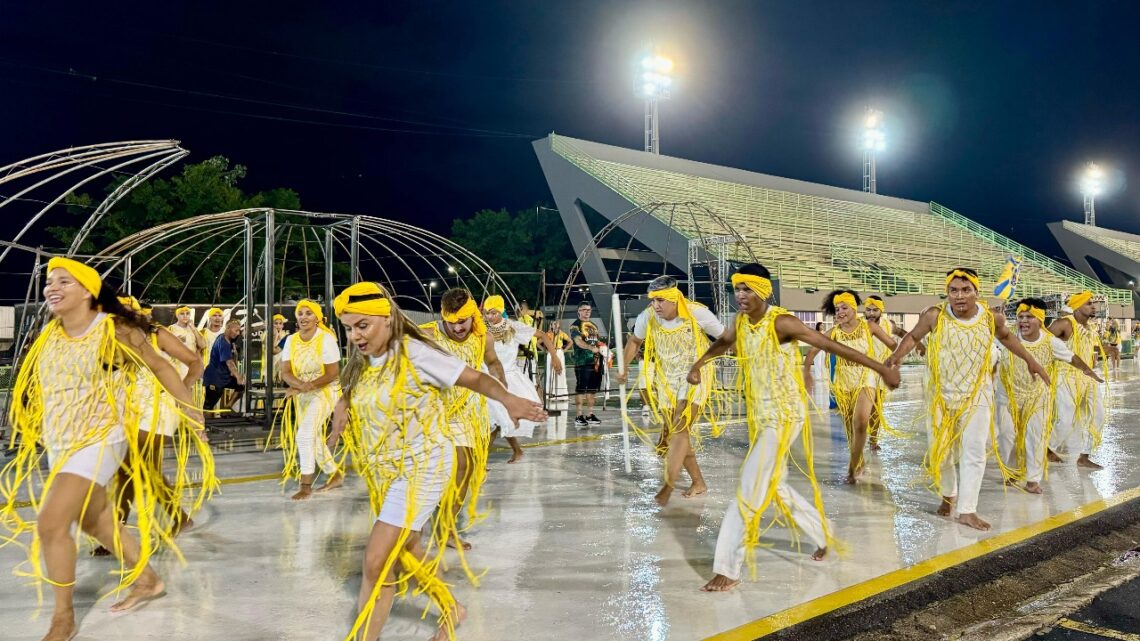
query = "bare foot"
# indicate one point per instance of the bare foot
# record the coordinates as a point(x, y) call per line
point(875, 446)
point(1084, 461)
point(663, 495)
point(1011, 482)
point(946, 507)
point(695, 490)
point(333, 482)
point(850, 480)
point(720, 583)
point(181, 524)
point(304, 493)
point(457, 618)
point(141, 592)
point(973, 521)
point(819, 554)
point(1053, 458)
point(516, 456)
point(62, 628)
point(456, 541)
point(1033, 488)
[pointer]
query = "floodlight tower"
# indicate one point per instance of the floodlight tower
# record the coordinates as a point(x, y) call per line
point(653, 82)
point(873, 142)
point(1091, 184)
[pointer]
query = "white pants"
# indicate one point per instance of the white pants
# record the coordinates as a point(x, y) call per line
point(556, 392)
point(1034, 442)
point(755, 474)
point(97, 462)
point(312, 450)
point(1071, 421)
point(965, 465)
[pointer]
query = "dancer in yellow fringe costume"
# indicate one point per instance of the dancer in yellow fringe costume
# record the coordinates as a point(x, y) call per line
point(215, 326)
point(855, 387)
point(399, 435)
point(1023, 430)
point(875, 310)
point(184, 330)
point(675, 333)
point(509, 335)
point(462, 333)
point(1080, 404)
point(271, 348)
point(75, 395)
point(765, 339)
point(310, 364)
point(960, 390)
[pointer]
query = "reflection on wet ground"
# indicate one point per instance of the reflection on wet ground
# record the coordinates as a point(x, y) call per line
point(574, 546)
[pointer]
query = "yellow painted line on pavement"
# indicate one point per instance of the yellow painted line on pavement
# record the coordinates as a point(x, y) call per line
point(880, 584)
point(1096, 630)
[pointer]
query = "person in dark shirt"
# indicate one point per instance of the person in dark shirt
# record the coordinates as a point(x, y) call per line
point(586, 359)
point(222, 372)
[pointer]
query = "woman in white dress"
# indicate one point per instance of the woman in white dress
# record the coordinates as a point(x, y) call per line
point(509, 335)
point(557, 394)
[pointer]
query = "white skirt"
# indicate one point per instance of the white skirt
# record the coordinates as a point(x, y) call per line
point(519, 385)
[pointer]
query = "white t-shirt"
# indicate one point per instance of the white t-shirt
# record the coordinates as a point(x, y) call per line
point(330, 351)
point(707, 321)
point(434, 367)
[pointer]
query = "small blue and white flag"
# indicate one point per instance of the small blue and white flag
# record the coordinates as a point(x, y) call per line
point(1007, 282)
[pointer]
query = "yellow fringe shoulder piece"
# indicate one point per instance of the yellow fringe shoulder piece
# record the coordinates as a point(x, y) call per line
point(959, 367)
point(668, 355)
point(397, 424)
point(77, 393)
point(777, 409)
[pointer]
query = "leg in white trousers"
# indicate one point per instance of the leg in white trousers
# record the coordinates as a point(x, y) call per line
point(1071, 420)
point(755, 474)
point(311, 447)
point(1035, 447)
point(964, 479)
point(1003, 421)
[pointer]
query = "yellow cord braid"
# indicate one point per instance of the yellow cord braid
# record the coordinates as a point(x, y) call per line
point(958, 360)
point(306, 362)
point(668, 356)
point(1028, 396)
point(395, 423)
point(777, 400)
point(88, 388)
point(1085, 343)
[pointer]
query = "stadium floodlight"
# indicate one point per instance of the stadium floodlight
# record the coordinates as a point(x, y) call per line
point(653, 82)
point(873, 141)
point(1092, 184)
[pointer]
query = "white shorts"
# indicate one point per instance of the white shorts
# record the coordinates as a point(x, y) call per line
point(97, 462)
point(429, 484)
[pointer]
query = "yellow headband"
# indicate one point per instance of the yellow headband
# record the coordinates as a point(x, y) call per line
point(673, 295)
point(1078, 300)
point(130, 302)
point(312, 307)
point(363, 298)
point(469, 310)
point(1037, 312)
point(83, 274)
point(845, 297)
point(181, 309)
point(958, 273)
point(496, 303)
point(214, 311)
point(279, 317)
point(758, 284)
point(874, 302)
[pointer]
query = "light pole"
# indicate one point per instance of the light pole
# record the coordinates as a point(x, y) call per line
point(1092, 182)
point(653, 82)
point(873, 142)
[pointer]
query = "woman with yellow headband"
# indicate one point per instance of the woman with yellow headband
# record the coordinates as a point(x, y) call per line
point(462, 333)
point(72, 394)
point(183, 329)
point(875, 311)
point(1080, 403)
point(215, 327)
point(277, 344)
point(675, 333)
point(1023, 430)
point(766, 339)
point(960, 391)
point(509, 336)
point(855, 387)
point(398, 432)
point(310, 365)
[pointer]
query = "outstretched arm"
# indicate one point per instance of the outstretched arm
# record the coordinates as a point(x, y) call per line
point(881, 335)
point(170, 344)
point(1080, 364)
point(719, 347)
point(914, 337)
point(791, 328)
point(517, 406)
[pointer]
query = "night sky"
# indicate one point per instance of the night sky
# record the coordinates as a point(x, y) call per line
point(425, 111)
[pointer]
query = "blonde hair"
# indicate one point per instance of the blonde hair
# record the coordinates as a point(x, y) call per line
point(402, 327)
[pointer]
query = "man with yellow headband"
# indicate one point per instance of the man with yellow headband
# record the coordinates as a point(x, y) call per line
point(766, 339)
point(960, 390)
point(215, 327)
point(1079, 409)
point(675, 333)
point(462, 333)
point(1023, 428)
